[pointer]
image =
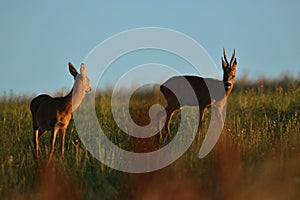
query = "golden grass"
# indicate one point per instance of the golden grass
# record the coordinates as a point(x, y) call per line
point(257, 157)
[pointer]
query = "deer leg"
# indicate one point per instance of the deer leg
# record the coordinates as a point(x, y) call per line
point(170, 113)
point(168, 122)
point(159, 119)
point(201, 117)
point(62, 143)
point(219, 116)
point(54, 133)
point(36, 143)
point(37, 134)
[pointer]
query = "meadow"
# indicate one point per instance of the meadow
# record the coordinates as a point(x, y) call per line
point(257, 156)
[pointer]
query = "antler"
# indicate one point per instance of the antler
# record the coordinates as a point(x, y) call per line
point(224, 56)
point(232, 58)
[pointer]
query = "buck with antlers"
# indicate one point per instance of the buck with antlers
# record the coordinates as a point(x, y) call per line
point(54, 114)
point(205, 98)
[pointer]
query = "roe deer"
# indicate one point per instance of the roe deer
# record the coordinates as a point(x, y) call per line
point(54, 114)
point(204, 100)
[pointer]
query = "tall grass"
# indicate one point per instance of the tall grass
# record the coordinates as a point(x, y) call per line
point(257, 156)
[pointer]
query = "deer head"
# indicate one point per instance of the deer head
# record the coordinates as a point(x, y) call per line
point(229, 70)
point(81, 77)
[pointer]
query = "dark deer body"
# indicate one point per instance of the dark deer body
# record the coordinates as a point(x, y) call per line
point(214, 97)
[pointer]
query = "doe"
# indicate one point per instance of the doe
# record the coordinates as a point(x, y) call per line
point(54, 114)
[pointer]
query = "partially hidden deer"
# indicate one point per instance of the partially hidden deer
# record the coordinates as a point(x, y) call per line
point(54, 114)
point(204, 99)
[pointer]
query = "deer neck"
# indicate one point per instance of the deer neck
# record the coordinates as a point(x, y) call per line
point(228, 90)
point(75, 96)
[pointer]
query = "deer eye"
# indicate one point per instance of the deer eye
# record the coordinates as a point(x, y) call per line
point(233, 76)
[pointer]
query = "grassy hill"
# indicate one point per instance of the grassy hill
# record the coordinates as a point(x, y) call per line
point(257, 156)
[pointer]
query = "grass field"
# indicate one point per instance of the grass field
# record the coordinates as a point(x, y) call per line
point(257, 156)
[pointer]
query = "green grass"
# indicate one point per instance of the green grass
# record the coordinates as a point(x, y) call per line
point(257, 156)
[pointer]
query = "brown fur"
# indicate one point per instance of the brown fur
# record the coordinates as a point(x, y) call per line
point(205, 97)
point(54, 114)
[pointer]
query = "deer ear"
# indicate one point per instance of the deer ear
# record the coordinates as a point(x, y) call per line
point(72, 70)
point(83, 69)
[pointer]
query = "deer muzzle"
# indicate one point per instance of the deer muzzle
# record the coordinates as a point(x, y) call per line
point(227, 85)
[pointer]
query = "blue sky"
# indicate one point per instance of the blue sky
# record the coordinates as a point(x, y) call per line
point(39, 38)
